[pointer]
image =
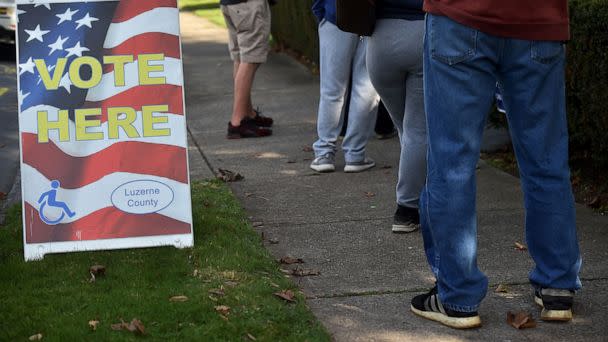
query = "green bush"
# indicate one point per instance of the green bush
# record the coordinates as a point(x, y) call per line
point(295, 27)
point(587, 81)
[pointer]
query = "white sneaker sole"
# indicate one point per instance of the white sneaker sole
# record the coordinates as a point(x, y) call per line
point(358, 168)
point(553, 315)
point(323, 168)
point(452, 322)
point(400, 228)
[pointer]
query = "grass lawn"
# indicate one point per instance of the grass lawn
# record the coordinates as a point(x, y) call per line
point(209, 9)
point(54, 297)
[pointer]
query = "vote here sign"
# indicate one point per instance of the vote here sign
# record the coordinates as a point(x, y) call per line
point(102, 126)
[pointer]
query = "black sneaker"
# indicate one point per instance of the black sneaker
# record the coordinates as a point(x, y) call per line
point(428, 306)
point(556, 304)
point(247, 129)
point(406, 220)
point(386, 135)
point(261, 120)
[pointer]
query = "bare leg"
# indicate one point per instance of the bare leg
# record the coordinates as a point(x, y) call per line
point(235, 68)
point(243, 82)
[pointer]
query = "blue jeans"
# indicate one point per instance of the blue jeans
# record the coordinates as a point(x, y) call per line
point(343, 53)
point(461, 67)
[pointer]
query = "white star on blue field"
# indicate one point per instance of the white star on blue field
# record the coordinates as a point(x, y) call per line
point(53, 31)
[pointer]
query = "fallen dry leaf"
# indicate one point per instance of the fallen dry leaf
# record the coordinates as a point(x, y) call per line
point(248, 194)
point(251, 337)
point(117, 326)
point(257, 224)
point(273, 241)
point(307, 148)
point(285, 295)
point(520, 320)
point(300, 272)
point(217, 292)
point(501, 289)
point(222, 309)
point(231, 283)
point(229, 176)
point(212, 298)
point(96, 271)
point(287, 260)
point(36, 337)
point(369, 194)
point(93, 324)
point(520, 246)
point(178, 299)
point(135, 326)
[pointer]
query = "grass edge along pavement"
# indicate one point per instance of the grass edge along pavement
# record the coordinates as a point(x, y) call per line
point(54, 297)
point(208, 9)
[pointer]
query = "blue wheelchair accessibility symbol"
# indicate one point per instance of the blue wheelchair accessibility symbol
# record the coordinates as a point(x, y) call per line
point(49, 200)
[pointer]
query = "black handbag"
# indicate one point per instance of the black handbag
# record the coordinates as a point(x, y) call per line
point(356, 16)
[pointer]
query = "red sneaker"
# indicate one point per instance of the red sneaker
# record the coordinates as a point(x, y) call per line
point(247, 129)
point(261, 120)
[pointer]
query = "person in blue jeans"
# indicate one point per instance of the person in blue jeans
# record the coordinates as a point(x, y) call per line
point(342, 53)
point(468, 47)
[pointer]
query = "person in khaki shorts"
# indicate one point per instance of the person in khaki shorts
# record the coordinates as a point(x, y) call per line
point(248, 23)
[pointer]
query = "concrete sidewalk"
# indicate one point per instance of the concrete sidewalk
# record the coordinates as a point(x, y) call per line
point(340, 223)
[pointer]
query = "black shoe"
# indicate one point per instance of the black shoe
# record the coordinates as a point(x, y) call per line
point(406, 220)
point(386, 135)
point(556, 304)
point(247, 129)
point(261, 120)
point(428, 306)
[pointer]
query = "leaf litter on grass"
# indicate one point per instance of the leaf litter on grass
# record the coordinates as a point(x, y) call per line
point(135, 326)
point(222, 309)
point(178, 299)
point(217, 292)
point(36, 337)
point(93, 324)
point(227, 253)
point(96, 271)
point(286, 295)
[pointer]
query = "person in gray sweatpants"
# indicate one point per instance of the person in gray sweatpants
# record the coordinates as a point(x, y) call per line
point(394, 62)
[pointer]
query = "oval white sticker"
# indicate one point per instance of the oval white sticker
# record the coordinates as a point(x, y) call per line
point(142, 196)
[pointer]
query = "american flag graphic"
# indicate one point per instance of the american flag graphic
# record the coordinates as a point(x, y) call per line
point(90, 173)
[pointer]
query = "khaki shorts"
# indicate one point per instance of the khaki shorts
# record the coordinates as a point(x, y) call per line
point(249, 29)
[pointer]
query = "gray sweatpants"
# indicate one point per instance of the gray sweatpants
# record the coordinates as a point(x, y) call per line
point(394, 62)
